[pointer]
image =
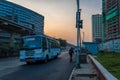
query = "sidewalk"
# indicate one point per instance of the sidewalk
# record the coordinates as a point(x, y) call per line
point(86, 72)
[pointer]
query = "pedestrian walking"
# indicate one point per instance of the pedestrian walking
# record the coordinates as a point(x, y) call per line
point(71, 52)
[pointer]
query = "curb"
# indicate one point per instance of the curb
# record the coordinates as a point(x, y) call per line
point(103, 73)
point(70, 78)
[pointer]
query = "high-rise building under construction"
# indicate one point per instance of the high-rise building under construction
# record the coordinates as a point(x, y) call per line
point(111, 19)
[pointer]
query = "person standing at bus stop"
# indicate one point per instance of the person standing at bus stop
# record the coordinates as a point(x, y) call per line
point(71, 52)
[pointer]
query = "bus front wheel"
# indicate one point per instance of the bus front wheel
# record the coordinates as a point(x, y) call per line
point(56, 56)
point(46, 59)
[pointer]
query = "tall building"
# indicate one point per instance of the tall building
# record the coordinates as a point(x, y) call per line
point(111, 19)
point(111, 25)
point(21, 16)
point(97, 28)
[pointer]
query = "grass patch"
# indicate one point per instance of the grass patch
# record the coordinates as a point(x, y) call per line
point(111, 61)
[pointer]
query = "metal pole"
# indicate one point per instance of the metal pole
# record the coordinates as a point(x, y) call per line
point(83, 36)
point(78, 48)
point(80, 42)
point(78, 36)
point(77, 5)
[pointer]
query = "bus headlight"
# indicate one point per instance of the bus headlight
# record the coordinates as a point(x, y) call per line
point(22, 53)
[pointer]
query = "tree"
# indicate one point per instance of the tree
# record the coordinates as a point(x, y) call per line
point(63, 43)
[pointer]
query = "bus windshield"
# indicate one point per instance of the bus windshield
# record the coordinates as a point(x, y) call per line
point(31, 43)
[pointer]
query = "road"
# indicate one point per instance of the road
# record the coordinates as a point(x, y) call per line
point(57, 69)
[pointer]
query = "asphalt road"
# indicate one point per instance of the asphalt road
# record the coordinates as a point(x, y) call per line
point(57, 69)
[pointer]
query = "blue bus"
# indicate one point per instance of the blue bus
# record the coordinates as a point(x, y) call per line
point(39, 47)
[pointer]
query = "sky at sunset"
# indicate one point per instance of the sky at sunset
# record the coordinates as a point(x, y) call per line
point(60, 16)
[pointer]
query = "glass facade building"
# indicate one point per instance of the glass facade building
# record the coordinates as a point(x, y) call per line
point(97, 28)
point(22, 16)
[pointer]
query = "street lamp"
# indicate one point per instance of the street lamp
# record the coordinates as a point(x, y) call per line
point(78, 26)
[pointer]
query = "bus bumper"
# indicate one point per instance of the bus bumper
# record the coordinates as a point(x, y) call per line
point(32, 59)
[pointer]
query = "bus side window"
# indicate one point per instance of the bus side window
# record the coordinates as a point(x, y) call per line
point(44, 43)
point(49, 45)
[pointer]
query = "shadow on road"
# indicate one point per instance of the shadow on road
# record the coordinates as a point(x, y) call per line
point(38, 63)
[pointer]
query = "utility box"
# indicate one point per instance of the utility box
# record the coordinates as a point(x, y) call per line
point(91, 47)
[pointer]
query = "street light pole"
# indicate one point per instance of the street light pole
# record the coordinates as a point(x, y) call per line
point(78, 26)
point(83, 38)
point(78, 48)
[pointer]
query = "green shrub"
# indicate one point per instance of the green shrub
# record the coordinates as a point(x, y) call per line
point(111, 61)
point(8, 49)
